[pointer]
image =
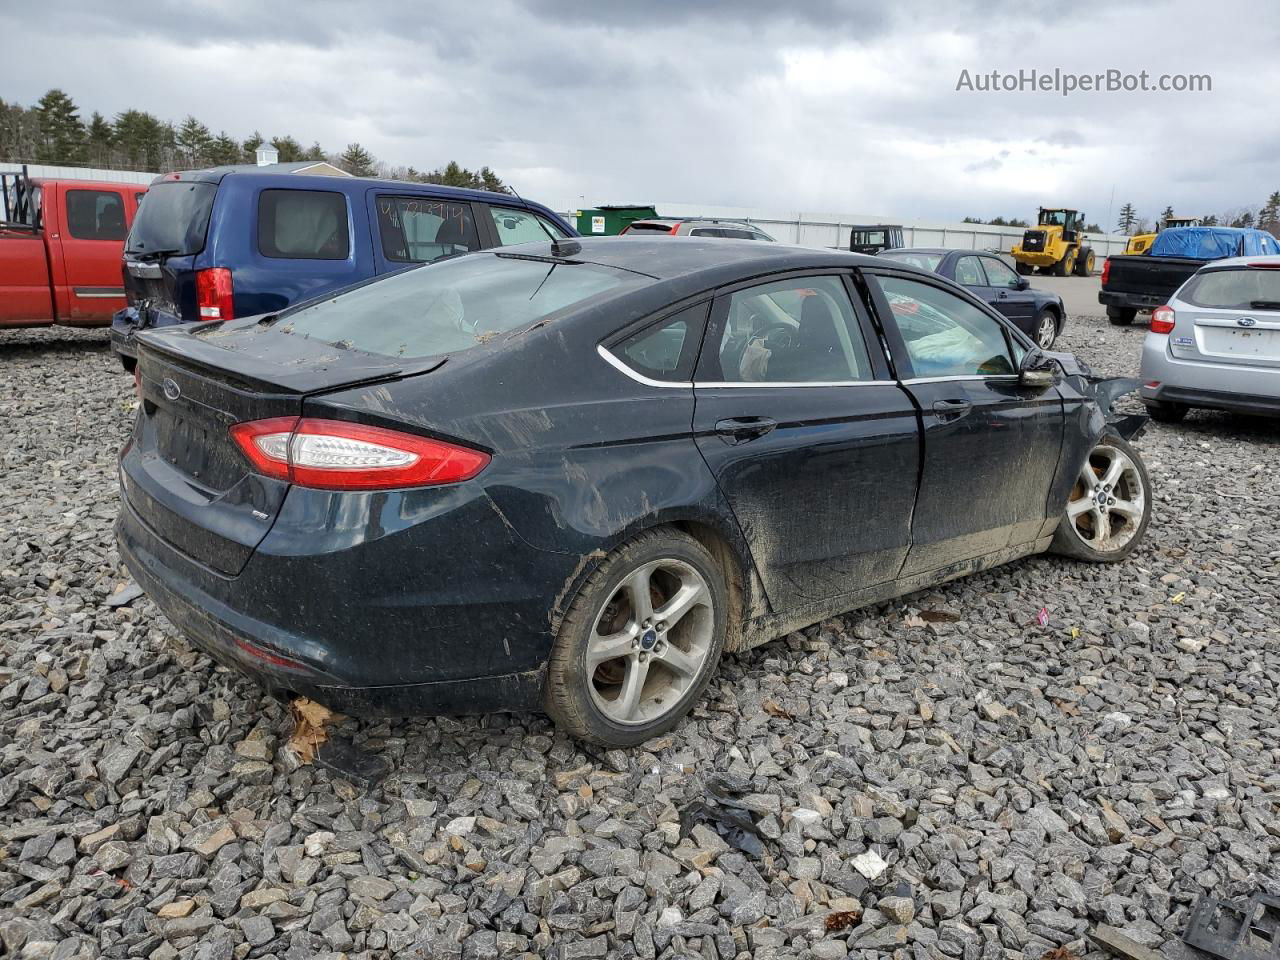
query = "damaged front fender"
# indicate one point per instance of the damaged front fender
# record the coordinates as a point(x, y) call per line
point(1104, 392)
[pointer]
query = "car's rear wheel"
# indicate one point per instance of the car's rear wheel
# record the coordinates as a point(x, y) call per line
point(1121, 316)
point(1166, 412)
point(1084, 264)
point(1066, 266)
point(1109, 507)
point(640, 641)
point(1046, 328)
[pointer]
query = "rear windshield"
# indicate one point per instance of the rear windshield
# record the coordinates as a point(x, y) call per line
point(925, 261)
point(174, 218)
point(451, 305)
point(1248, 288)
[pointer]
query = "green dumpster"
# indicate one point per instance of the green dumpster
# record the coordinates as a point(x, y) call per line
point(608, 221)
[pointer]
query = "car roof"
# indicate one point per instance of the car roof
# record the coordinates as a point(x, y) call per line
point(671, 258)
point(1271, 260)
point(673, 221)
point(307, 181)
point(929, 250)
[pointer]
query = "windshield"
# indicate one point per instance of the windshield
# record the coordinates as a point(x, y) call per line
point(1053, 218)
point(451, 305)
point(1243, 289)
point(925, 261)
point(173, 220)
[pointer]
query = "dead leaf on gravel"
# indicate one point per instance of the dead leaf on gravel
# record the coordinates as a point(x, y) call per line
point(939, 616)
point(842, 919)
point(1058, 953)
point(309, 722)
point(775, 709)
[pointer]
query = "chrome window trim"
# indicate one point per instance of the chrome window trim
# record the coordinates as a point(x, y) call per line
point(639, 377)
point(967, 376)
point(796, 383)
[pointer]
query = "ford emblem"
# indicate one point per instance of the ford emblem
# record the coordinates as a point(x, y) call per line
point(171, 389)
point(1246, 321)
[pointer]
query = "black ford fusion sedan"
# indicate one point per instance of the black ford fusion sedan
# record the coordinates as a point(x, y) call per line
point(572, 475)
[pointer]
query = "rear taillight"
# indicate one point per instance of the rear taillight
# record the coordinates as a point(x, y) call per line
point(214, 294)
point(1162, 319)
point(336, 455)
point(1106, 270)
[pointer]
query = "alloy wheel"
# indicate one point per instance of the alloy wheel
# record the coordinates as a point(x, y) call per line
point(1108, 500)
point(1046, 331)
point(649, 641)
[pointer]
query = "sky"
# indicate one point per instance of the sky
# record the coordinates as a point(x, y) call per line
point(823, 106)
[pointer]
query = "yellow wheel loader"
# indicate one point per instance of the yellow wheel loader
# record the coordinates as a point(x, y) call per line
point(1056, 244)
point(1141, 242)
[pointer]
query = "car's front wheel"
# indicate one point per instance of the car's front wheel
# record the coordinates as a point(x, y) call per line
point(1121, 316)
point(640, 641)
point(1046, 328)
point(1109, 507)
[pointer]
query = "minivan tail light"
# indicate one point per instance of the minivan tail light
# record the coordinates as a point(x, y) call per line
point(1162, 319)
point(337, 455)
point(1106, 270)
point(214, 294)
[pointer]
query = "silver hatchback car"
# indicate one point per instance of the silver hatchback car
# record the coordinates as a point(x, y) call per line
point(1216, 343)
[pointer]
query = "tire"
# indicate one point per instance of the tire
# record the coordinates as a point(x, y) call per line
point(1024, 269)
point(597, 697)
point(1121, 316)
point(1122, 530)
point(128, 363)
point(1084, 263)
point(1046, 329)
point(1166, 412)
point(1067, 264)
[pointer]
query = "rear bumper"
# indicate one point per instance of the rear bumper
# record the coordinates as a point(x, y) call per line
point(1203, 383)
point(1133, 301)
point(345, 650)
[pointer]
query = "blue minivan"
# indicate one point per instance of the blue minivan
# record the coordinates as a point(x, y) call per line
point(237, 241)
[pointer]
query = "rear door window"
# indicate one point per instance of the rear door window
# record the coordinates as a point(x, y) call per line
point(422, 229)
point(665, 350)
point(522, 226)
point(174, 218)
point(96, 215)
point(969, 272)
point(303, 225)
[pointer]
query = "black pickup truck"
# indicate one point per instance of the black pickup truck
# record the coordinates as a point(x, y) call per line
point(1133, 282)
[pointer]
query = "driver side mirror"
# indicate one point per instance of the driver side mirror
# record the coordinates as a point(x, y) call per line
point(1022, 283)
point(1037, 370)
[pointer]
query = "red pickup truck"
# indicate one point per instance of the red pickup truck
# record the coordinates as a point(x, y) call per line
point(61, 243)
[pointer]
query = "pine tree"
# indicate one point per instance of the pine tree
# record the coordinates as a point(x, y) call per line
point(249, 149)
point(1269, 218)
point(492, 182)
point(193, 141)
point(1210, 220)
point(224, 150)
point(357, 161)
point(99, 140)
point(1167, 215)
point(1244, 220)
point(1128, 219)
point(314, 152)
point(143, 139)
point(61, 132)
point(288, 148)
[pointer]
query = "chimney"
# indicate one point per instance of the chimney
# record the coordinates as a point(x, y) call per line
point(267, 155)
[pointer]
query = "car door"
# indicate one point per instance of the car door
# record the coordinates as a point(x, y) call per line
point(91, 242)
point(1009, 293)
point(991, 445)
point(815, 448)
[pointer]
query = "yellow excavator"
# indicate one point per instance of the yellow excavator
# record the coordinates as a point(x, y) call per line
point(1056, 244)
point(1141, 242)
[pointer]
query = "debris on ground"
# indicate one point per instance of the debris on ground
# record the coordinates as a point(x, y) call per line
point(1117, 942)
point(124, 595)
point(341, 756)
point(309, 722)
point(842, 920)
point(1249, 930)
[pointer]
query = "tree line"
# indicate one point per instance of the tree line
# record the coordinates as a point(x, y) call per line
point(1266, 217)
point(1015, 222)
point(53, 132)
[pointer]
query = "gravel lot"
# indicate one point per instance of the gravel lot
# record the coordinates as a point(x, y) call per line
point(981, 788)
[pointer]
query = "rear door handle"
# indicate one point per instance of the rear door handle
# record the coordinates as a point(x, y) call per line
point(742, 429)
point(948, 411)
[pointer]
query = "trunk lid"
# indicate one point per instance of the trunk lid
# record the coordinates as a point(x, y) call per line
point(182, 473)
point(1230, 316)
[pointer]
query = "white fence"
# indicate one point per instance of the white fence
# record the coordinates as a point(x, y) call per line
point(41, 171)
point(832, 230)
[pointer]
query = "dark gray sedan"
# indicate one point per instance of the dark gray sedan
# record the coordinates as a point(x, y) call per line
point(1037, 313)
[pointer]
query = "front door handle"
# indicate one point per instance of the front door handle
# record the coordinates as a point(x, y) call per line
point(948, 411)
point(1003, 295)
point(742, 429)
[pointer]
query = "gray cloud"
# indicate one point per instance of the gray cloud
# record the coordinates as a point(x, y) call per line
point(838, 105)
